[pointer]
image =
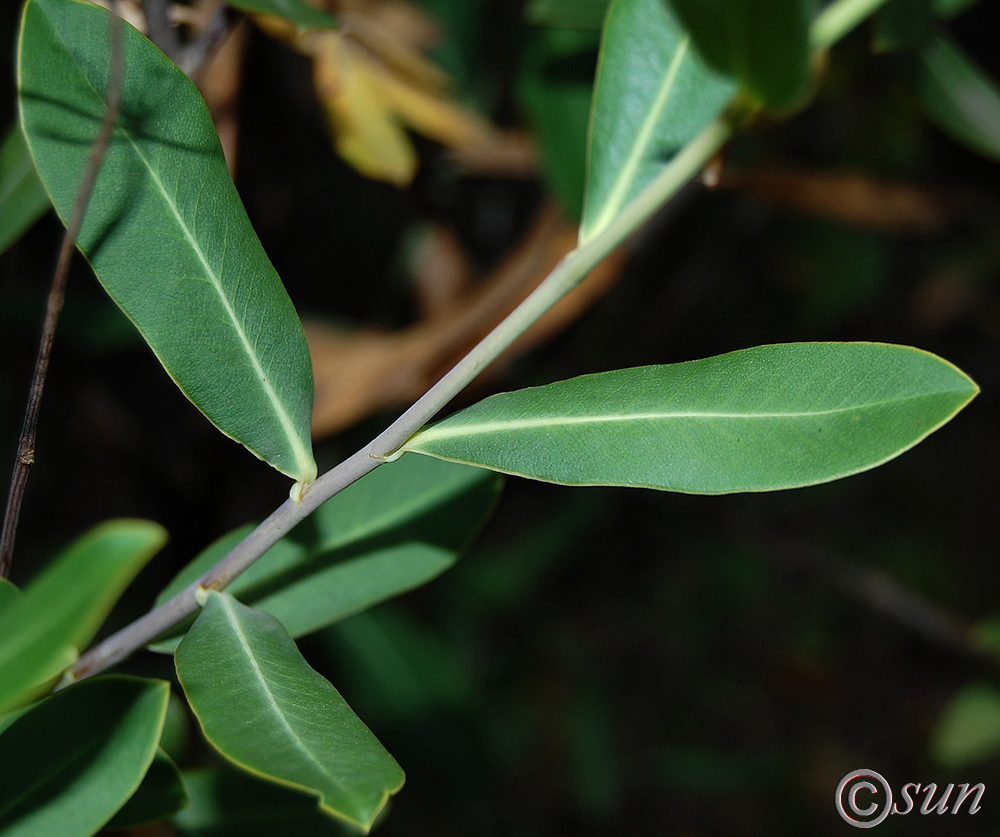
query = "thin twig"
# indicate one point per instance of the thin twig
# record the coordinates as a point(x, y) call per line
point(880, 591)
point(566, 275)
point(26, 444)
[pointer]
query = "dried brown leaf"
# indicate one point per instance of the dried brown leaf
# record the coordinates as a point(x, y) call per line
point(846, 196)
point(360, 371)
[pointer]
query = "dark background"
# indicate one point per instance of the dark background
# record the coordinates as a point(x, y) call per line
point(603, 661)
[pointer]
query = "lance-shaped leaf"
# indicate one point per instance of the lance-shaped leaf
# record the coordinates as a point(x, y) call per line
point(963, 101)
point(165, 230)
point(262, 706)
point(59, 612)
point(22, 197)
point(69, 763)
point(395, 529)
point(653, 95)
point(760, 419)
point(301, 15)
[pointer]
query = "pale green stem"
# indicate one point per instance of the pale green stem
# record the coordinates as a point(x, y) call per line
point(839, 18)
point(835, 21)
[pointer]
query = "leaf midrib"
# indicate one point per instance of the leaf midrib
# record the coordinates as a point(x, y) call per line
point(301, 456)
point(447, 432)
point(627, 173)
point(297, 741)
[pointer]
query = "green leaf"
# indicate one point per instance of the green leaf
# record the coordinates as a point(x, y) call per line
point(760, 419)
point(902, 25)
point(74, 759)
point(175, 249)
point(764, 44)
point(8, 594)
point(653, 95)
point(969, 728)
point(225, 802)
point(395, 529)
point(399, 666)
point(22, 196)
point(262, 706)
point(567, 14)
point(958, 96)
point(951, 8)
point(302, 15)
point(160, 795)
point(59, 612)
point(555, 88)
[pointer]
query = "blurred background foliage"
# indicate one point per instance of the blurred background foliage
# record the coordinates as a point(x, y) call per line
point(602, 661)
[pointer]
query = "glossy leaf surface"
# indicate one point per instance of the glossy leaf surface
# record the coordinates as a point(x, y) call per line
point(301, 15)
point(225, 802)
point(395, 529)
point(962, 100)
point(262, 706)
point(175, 249)
point(653, 95)
point(161, 795)
point(22, 196)
point(59, 612)
point(760, 419)
point(70, 762)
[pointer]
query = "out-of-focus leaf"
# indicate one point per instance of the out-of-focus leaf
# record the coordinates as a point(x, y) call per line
point(398, 667)
point(902, 25)
point(395, 529)
point(262, 706)
point(567, 14)
point(59, 612)
point(846, 197)
point(958, 96)
point(968, 730)
point(160, 795)
point(555, 88)
point(175, 249)
point(365, 369)
point(373, 91)
point(652, 96)
point(69, 763)
point(22, 196)
point(299, 14)
point(762, 43)
point(8, 594)
point(950, 8)
point(760, 419)
point(225, 802)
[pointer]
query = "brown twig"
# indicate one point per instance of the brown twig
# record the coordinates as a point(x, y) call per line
point(26, 444)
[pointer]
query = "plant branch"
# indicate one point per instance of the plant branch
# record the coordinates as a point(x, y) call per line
point(839, 18)
point(386, 447)
point(57, 292)
point(567, 274)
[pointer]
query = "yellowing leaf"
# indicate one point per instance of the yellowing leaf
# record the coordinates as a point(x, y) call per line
point(366, 132)
point(374, 84)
